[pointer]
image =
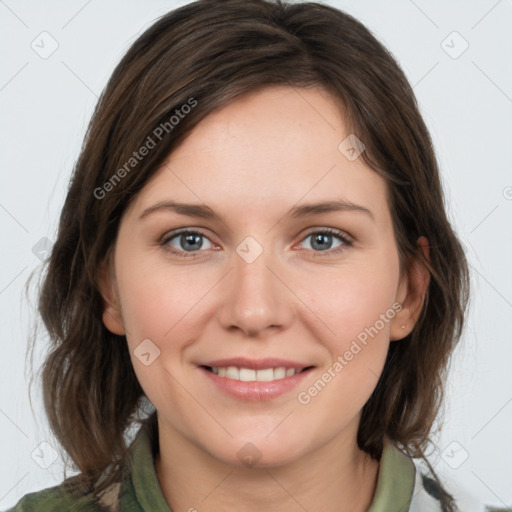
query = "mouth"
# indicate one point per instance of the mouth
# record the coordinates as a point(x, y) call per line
point(255, 380)
point(244, 374)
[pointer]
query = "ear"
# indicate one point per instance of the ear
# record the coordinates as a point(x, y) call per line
point(411, 293)
point(112, 317)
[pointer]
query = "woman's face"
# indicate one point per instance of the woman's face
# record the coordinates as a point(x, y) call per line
point(263, 281)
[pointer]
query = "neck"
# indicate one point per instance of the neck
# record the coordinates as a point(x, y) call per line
point(338, 477)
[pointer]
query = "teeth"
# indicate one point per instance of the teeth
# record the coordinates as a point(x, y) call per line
point(249, 375)
point(232, 372)
point(266, 375)
point(280, 373)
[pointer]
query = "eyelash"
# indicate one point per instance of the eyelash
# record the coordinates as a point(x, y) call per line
point(183, 254)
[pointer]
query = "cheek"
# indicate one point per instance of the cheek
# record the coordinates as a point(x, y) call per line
point(156, 301)
point(163, 309)
point(355, 298)
point(357, 308)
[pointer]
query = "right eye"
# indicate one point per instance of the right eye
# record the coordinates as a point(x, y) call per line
point(185, 239)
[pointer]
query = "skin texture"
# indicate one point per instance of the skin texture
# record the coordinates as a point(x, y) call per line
point(251, 162)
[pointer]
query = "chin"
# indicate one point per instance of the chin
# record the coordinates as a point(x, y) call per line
point(258, 453)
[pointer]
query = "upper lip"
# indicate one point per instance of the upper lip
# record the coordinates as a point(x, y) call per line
point(256, 364)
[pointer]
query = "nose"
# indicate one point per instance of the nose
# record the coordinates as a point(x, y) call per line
point(256, 298)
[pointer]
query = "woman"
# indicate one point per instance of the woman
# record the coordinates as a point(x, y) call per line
point(254, 244)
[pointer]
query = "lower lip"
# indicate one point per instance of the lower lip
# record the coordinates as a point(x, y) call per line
point(255, 390)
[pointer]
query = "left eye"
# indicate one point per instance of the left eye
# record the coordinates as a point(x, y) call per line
point(323, 240)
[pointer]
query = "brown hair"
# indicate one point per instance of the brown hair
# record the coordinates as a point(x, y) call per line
point(210, 52)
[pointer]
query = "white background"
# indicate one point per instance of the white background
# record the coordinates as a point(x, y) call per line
point(466, 102)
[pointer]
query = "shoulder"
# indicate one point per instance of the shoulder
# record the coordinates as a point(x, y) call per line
point(119, 495)
point(427, 493)
point(56, 499)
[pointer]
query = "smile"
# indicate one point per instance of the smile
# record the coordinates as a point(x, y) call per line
point(251, 375)
point(254, 380)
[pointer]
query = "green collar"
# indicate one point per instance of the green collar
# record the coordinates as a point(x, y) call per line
point(394, 489)
point(144, 480)
point(395, 482)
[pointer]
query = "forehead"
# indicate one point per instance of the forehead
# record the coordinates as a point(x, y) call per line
point(269, 149)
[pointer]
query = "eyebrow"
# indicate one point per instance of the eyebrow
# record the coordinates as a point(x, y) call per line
point(305, 210)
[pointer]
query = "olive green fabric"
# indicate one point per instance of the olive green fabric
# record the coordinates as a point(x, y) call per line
point(395, 484)
point(140, 490)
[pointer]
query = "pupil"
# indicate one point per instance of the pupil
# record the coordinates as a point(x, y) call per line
point(194, 240)
point(318, 239)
